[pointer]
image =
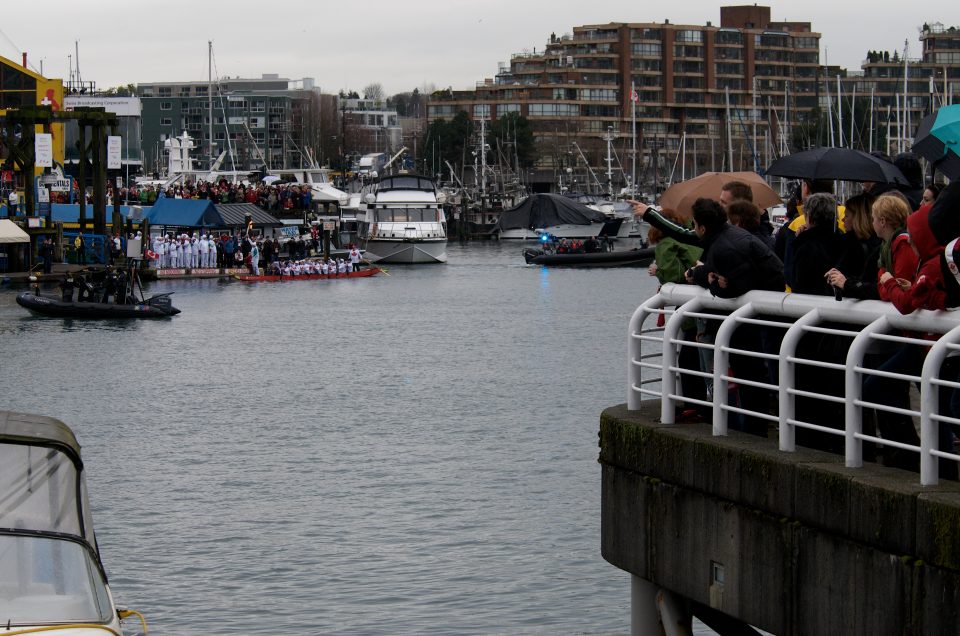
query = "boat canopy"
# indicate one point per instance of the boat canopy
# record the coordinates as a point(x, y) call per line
point(406, 182)
point(545, 210)
point(42, 486)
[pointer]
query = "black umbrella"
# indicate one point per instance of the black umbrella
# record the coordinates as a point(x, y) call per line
point(841, 164)
point(938, 140)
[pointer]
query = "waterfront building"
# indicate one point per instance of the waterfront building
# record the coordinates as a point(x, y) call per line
point(369, 126)
point(901, 88)
point(270, 121)
point(707, 97)
point(128, 112)
point(20, 87)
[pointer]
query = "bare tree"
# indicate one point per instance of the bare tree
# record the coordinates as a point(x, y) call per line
point(373, 91)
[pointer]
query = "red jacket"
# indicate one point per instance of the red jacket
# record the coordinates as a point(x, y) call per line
point(927, 289)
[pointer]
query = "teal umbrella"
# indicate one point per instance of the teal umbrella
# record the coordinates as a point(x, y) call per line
point(938, 140)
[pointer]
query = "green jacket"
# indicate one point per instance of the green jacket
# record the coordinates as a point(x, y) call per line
point(673, 259)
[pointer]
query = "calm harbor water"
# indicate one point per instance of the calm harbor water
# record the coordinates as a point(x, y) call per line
point(412, 453)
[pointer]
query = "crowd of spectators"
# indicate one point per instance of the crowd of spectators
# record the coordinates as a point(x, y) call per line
point(884, 243)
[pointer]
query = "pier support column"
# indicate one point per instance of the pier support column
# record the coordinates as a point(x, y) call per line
point(644, 617)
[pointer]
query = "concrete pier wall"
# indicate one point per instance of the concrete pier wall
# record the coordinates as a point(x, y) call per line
point(794, 543)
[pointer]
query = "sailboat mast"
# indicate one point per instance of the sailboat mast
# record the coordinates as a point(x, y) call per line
point(729, 132)
point(633, 135)
point(609, 161)
point(210, 96)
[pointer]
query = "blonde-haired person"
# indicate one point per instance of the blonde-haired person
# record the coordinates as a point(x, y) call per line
point(889, 213)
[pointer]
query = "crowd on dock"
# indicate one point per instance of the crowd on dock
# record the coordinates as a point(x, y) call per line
point(888, 243)
point(274, 197)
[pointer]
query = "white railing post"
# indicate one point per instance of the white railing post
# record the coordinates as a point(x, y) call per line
point(721, 366)
point(635, 350)
point(853, 412)
point(671, 358)
point(787, 376)
point(930, 404)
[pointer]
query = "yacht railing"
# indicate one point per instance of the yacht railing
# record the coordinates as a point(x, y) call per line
point(654, 370)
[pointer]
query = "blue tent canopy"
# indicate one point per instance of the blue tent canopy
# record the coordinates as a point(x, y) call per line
point(184, 213)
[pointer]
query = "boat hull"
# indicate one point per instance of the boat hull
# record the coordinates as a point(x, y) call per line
point(270, 278)
point(50, 306)
point(407, 252)
point(567, 230)
point(623, 258)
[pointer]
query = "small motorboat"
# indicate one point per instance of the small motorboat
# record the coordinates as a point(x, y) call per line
point(52, 578)
point(273, 278)
point(641, 257)
point(106, 293)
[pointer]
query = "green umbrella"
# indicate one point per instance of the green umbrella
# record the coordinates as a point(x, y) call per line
point(938, 140)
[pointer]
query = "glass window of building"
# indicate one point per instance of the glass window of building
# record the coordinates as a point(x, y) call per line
point(688, 35)
point(481, 110)
point(165, 91)
point(554, 110)
point(503, 109)
point(166, 105)
point(647, 49)
point(728, 36)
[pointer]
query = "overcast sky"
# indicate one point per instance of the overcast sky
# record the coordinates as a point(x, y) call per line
point(401, 45)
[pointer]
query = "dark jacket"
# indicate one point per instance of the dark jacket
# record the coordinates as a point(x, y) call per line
point(860, 265)
point(815, 251)
point(743, 259)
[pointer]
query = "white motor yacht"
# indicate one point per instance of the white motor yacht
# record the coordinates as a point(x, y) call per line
point(51, 576)
point(401, 220)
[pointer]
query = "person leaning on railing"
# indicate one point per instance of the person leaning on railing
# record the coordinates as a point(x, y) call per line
point(857, 273)
point(671, 259)
point(733, 263)
point(924, 290)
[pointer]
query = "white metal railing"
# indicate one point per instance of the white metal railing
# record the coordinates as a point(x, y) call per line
point(654, 370)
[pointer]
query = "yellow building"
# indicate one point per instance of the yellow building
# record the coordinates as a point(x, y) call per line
point(19, 87)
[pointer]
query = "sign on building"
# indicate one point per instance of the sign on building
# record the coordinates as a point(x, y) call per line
point(43, 150)
point(114, 152)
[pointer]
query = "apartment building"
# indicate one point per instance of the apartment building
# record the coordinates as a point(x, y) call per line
point(705, 97)
point(270, 121)
point(895, 89)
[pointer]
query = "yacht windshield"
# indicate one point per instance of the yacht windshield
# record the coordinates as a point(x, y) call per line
point(406, 215)
point(47, 581)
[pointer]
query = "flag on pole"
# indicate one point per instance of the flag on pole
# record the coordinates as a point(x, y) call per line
point(634, 97)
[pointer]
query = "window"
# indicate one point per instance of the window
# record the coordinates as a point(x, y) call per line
point(165, 91)
point(724, 36)
point(594, 110)
point(687, 66)
point(684, 50)
point(599, 94)
point(646, 34)
point(166, 105)
point(647, 65)
point(503, 109)
point(200, 91)
point(733, 83)
point(683, 81)
point(729, 53)
point(688, 35)
point(554, 110)
point(258, 107)
point(481, 110)
point(806, 43)
point(728, 68)
point(220, 135)
point(166, 121)
point(647, 48)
